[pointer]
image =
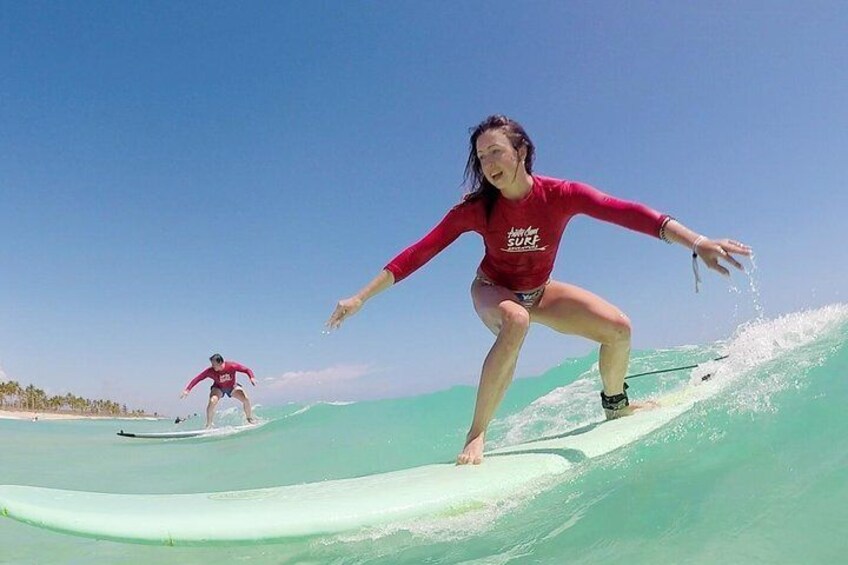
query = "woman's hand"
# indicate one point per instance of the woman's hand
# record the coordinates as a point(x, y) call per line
point(711, 251)
point(344, 309)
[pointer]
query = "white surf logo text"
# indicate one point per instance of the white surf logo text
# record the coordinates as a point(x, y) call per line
point(522, 240)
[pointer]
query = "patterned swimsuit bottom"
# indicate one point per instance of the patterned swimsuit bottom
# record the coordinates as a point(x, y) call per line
point(527, 299)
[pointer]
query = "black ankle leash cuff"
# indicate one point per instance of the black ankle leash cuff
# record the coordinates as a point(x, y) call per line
point(616, 401)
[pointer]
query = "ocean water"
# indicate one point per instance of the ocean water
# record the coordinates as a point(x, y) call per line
point(756, 473)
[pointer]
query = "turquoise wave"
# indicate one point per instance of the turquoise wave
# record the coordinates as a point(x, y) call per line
point(757, 473)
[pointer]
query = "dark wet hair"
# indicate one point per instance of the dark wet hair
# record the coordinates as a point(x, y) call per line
point(216, 358)
point(474, 179)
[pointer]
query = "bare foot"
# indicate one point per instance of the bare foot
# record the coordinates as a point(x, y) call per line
point(629, 410)
point(251, 420)
point(472, 453)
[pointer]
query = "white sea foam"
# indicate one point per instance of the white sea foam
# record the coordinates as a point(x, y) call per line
point(753, 345)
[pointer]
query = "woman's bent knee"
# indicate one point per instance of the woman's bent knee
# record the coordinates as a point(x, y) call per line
point(514, 317)
point(619, 330)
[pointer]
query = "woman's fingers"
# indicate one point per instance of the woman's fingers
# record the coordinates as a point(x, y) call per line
point(716, 266)
point(723, 250)
point(343, 309)
point(333, 321)
point(732, 260)
point(336, 318)
point(733, 246)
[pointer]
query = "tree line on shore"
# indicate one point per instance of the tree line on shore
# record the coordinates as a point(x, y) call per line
point(15, 397)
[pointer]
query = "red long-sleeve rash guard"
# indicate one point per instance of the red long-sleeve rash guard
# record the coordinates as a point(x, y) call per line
point(522, 237)
point(223, 379)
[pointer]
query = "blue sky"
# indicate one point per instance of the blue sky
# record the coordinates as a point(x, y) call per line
point(180, 178)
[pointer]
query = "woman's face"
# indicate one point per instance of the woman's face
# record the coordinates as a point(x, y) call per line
point(500, 162)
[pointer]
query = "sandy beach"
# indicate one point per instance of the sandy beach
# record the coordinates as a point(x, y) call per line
point(27, 415)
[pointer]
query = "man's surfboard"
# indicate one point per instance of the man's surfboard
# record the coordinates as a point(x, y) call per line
point(277, 513)
point(163, 435)
point(211, 432)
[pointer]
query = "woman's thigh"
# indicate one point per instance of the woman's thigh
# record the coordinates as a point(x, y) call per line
point(570, 309)
point(492, 303)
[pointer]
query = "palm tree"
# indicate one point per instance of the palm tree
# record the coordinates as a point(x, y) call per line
point(35, 399)
point(13, 390)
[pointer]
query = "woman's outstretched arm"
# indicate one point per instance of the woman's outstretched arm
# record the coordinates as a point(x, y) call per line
point(349, 306)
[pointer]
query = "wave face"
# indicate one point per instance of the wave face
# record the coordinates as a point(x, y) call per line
point(755, 473)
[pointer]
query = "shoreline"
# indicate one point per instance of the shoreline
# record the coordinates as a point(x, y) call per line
point(38, 416)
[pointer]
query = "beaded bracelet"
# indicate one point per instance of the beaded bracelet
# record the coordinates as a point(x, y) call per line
point(663, 236)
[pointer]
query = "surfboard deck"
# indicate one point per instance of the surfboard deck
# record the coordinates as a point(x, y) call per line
point(278, 513)
point(269, 514)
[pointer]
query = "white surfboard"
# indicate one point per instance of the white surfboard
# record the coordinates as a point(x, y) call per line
point(280, 512)
point(273, 514)
point(210, 432)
